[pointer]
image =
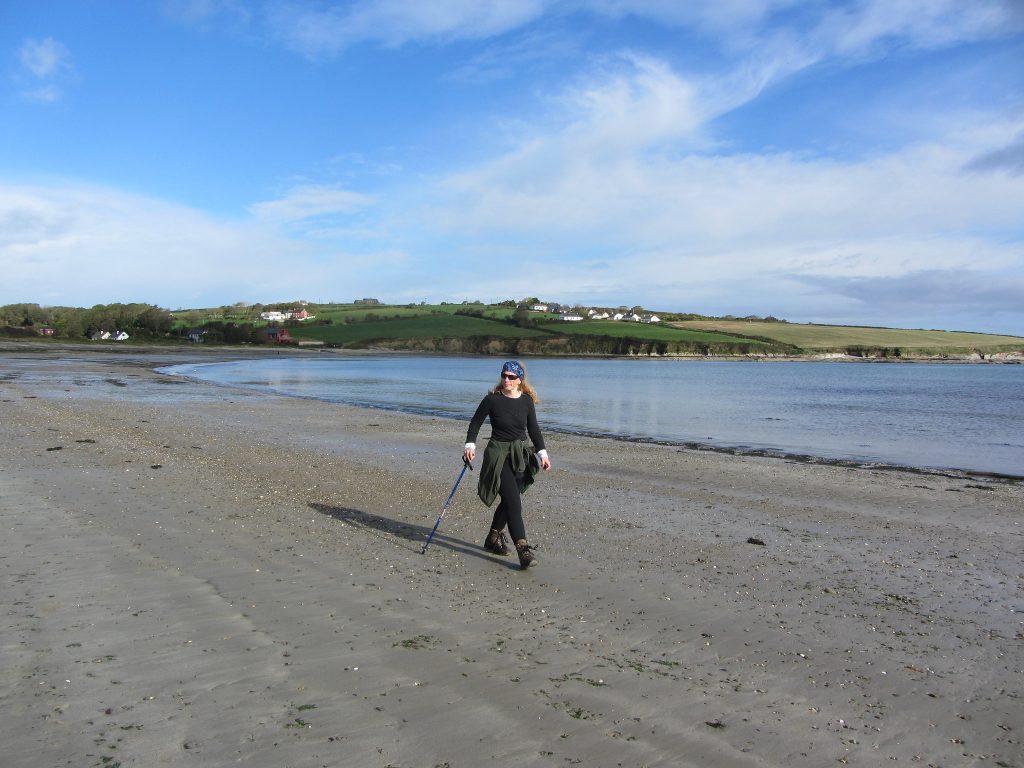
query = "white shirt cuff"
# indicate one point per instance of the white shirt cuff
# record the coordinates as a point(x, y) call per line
point(542, 453)
point(470, 446)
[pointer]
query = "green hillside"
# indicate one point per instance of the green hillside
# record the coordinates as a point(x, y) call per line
point(497, 328)
point(410, 325)
point(835, 338)
point(477, 328)
point(654, 332)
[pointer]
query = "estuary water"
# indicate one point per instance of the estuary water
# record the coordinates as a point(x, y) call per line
point(929, 416)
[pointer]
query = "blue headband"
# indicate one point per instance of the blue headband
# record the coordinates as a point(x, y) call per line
point(513, 366)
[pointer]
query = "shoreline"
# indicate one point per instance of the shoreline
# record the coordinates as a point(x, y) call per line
point(245, 352)
point(694, 445)
point(213, 576)
point(141, 356)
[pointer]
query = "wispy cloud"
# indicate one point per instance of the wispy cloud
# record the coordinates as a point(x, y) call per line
point(641, 103)
point(310, 201)
point(44, 58)
point(798, 31)
point(768, 41)
point(865, 28)
point(328, 30)
point(628, 180)
point(536, 50)
point(843, 27)
point(123, 247)
point(44, 64)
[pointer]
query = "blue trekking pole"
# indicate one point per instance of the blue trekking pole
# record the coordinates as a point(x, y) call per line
point(465, 465)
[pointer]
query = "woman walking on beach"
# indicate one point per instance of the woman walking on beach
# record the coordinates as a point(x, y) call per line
point(508, 468)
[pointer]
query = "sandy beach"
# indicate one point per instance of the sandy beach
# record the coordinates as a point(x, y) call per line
point(202, 576)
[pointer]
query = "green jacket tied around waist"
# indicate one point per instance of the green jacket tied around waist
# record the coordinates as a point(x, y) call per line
point(518, 453)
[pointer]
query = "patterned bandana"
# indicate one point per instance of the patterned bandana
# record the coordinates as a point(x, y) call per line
point(513, 366)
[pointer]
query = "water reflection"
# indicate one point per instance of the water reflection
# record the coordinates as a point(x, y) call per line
point(943, 416)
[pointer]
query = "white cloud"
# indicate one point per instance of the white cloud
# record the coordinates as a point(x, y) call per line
point(66, 243)
point(399, 21)
point(308, 202)
point(846, 26)
point(316, 32)
point(626, 183)
point(770, 40)
point(44, 58)
point(706, 204)
point(642, 104)
point(918, 23)
point(625, 161)
point(44, 63)
point(566, 179)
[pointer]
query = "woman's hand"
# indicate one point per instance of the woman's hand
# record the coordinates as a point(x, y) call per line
point(469, 454)
point(545, 462)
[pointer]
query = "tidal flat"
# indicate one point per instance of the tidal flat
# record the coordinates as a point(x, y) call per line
point(203, 575)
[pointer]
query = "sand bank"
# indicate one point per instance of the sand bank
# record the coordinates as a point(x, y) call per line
point(202, 576)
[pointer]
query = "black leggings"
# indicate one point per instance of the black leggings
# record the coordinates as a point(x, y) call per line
point(510, 508)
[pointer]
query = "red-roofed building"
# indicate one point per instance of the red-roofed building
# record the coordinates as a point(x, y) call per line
point(277, 335)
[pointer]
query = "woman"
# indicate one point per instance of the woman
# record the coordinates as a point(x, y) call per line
point(508, 466)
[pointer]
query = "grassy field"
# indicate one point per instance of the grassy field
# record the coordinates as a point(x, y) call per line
point(353, 313)
point(350, 326)
point(412, 326)
point(821, 338)
point(355, 325)
point(618, 329)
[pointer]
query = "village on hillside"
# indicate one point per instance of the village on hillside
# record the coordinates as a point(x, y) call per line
point(573, 315)
point(274, 333)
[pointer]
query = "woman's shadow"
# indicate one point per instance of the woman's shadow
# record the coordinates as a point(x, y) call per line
point(406, 535)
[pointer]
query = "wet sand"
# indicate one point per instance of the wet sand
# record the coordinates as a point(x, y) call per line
point(196, 575)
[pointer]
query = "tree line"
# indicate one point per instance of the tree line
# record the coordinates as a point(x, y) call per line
point(137, 320)
point(142, 322)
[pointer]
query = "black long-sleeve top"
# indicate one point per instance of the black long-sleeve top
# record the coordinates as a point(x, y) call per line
point(512, 418)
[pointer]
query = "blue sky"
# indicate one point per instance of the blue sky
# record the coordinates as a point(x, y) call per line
point(855, 162)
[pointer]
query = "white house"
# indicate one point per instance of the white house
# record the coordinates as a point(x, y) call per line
point(571, 318)
point(618, 316)
point(120, 336)
point(275, 316)
point(651, 319)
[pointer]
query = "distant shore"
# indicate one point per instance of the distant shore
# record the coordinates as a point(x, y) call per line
point(241, 351)
point(197, 574)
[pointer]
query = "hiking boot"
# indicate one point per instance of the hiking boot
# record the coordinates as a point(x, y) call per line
point(525, 552)
point(496, 543)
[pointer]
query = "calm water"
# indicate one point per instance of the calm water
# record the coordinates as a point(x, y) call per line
point(968, 417)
